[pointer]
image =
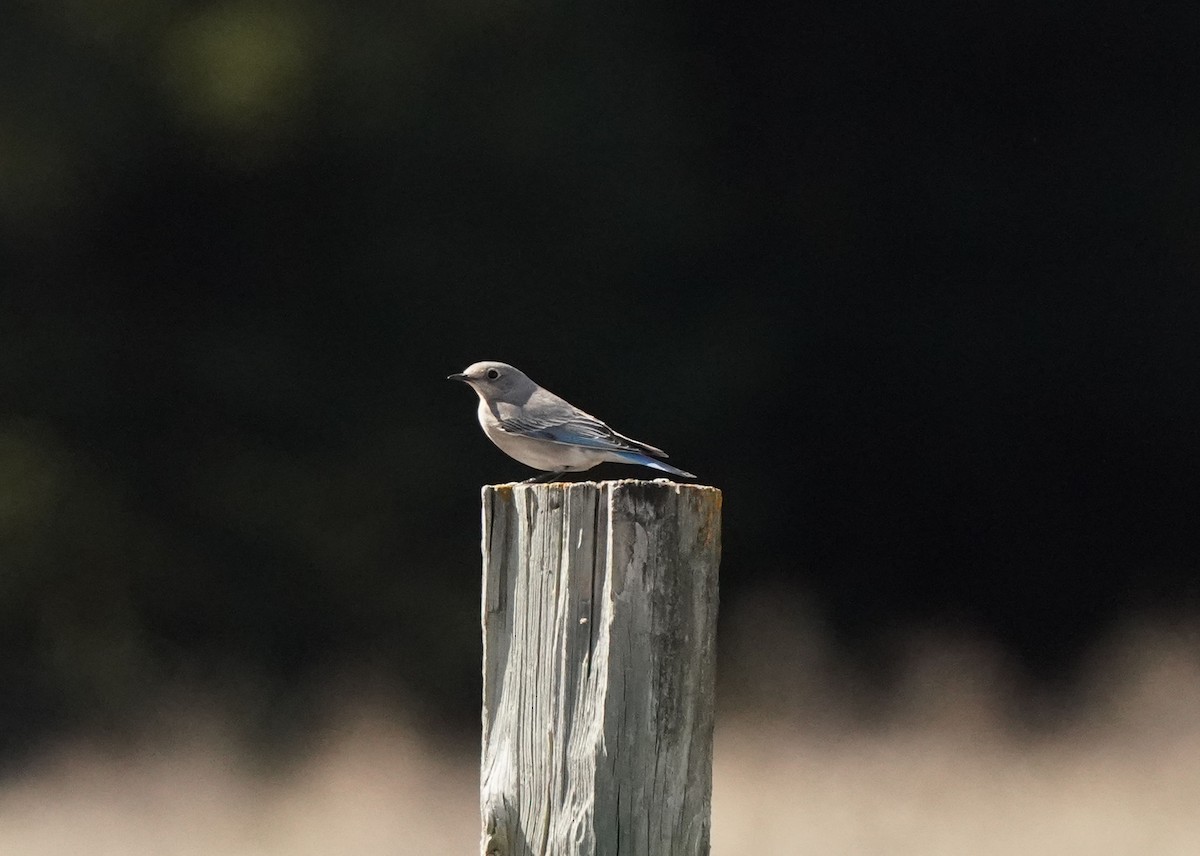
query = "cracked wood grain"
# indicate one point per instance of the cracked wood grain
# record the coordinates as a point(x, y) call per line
point(599, 619)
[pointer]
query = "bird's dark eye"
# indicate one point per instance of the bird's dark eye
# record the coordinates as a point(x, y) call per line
point(492, 374)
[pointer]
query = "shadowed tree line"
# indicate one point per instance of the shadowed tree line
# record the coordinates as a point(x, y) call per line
point(915, 288)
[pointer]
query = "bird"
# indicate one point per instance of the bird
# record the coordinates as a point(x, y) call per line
point(548, 433)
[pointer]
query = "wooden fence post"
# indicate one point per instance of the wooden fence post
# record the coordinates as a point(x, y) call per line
point(599, 626)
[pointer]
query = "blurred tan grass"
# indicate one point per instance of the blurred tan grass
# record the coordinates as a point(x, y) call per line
point(942, 773)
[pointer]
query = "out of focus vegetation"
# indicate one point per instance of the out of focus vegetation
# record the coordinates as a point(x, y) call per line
point(942, 777)
point(917, 289)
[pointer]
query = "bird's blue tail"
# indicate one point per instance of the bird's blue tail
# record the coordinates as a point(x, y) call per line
point(647, 461)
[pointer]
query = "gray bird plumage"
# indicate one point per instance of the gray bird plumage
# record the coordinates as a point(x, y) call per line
point(543, 431)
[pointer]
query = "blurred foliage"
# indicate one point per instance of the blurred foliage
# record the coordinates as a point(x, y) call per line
point(916, 288)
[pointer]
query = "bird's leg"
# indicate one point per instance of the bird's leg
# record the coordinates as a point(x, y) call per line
point(544, 477)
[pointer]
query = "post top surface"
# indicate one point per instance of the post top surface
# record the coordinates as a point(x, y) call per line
point(648, 488)
point(599, 484)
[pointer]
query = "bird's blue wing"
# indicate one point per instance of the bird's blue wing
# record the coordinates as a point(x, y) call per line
point(576, 430)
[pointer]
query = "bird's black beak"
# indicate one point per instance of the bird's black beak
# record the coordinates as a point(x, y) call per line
point(457, 376)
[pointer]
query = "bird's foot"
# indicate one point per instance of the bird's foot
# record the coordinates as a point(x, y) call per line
point(542, 478)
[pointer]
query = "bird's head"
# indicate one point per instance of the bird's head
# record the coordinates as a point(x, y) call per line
point(496, 382)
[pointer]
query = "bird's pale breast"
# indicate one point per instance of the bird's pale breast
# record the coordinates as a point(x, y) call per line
point(539, 454)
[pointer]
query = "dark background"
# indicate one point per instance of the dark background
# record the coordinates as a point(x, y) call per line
point(915, 287)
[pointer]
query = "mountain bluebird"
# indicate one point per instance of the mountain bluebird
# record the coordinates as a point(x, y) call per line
point(545, 432)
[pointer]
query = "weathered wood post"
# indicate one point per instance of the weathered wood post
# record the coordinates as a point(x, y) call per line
point(599, 624)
